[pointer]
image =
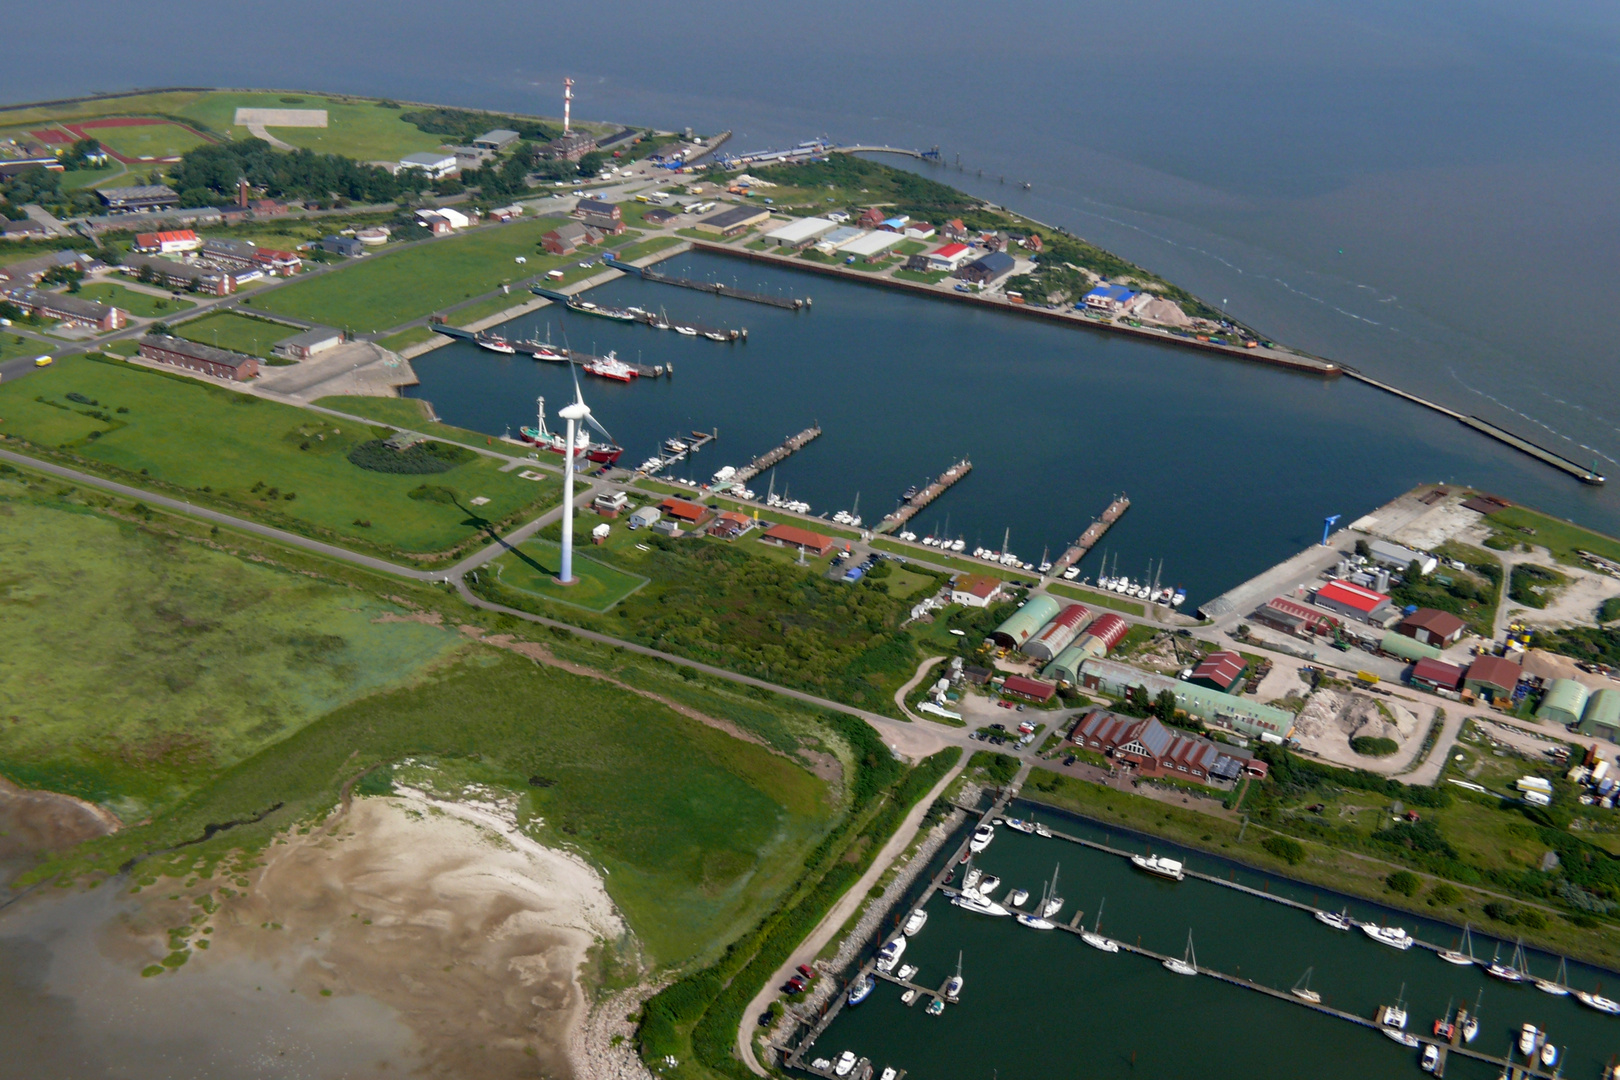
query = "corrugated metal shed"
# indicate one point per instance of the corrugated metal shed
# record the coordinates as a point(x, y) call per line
point(872, 244)
point(1398, 644)
point(1248, 717)
point(1066, 668)
point(1564, 703)
point(1057, 634)
point(1602, 714)
point(1110, 630)
point(1025, 622)
point(798, 233)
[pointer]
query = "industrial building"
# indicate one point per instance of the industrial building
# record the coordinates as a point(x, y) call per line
point(435, 164)
point(1437, 675)
point(180, 275)
point(987, 269)
point(803, 539)
point(1295, 618)
point(1098, 640)
point(1026, 622)
point(307, 344)
point(1439, 628)
point(204, 359)
point(1406, 648)
point(1492, 677)
point(571, 146)
point(1400, 558)
point(1247, 717)
point(496, 140)
point(975, 590)
point(72, 310)
point(872, 246)
point(1220, 670)
point(830, 243)
point(734, 220)
point(347, 246)
point(1354, 602)
point(1564, 703)
point(1602, 715)
point(1154, 750)
point(1056, 635)
point(948, 257)
point(167, 243)
point(139, 198)
point(801, 233)
point(1032, 689)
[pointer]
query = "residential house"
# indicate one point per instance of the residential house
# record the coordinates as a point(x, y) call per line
point(605, 217)
point(204, 359)
point(975, 590)
point(793, 536)
point(987, 269)
point(1109, 299)
point(569, 237)
point(70, 309)
point(729, 524)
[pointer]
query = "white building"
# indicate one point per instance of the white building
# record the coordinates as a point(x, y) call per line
point(873, 246)
point(436, 165)
point(836, 239)
point(1394, 555)
point(796, 234)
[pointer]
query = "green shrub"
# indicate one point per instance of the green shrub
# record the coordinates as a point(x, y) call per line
point(1290, 851)
point(1444, 894)
point(1404, 882)
point(418, 460)
point(1374, 746)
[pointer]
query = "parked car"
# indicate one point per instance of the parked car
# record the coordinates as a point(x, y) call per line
point(807, 971)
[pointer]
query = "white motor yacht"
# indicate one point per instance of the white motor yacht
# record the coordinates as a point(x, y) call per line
point(1395, 937)
point(1598, 1002)
point(1155, 864)
point(890, 954)
point(1337, 920)
point(970, 901)
point(845, 1062)
point(981, 838)
point(1529, 1039)
point(915, 921)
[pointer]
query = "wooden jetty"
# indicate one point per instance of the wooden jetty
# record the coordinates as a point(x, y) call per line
point(771, 457)
point(927, 495)
point(716, 288)
point(1093, 533)
point(694, 441)
point(553, 353)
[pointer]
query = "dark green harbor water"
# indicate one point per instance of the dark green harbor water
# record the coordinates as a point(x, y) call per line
point(1044, 1006)
point(1231, 466)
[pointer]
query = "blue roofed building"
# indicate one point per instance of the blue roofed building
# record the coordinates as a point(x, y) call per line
point(1109, 299)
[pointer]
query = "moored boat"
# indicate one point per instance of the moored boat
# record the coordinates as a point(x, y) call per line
point(1395, 937)
point(953, 985)
point(908, 997)
point(1598, 1002)
point(494, 343)
point(1019, 825)
point(610, 367)
point(971, 901)
point(1303, 991)
point(935, 1007)
point(1431, 1058)
point(1186, 963)
point(1529, 1039)
point(890, 954)
point(861, 990)
point(1337, 920)
point(1018, 897)
point(915, 921)
point(1155, 864)
point(845, 1062)
point(982, 835)
point(1404, 1038)
point(1094, 938)
point(906, 971)
point(1558, 985)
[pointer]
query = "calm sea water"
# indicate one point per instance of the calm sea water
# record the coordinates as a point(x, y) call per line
point(1231, 466)
point(1046, 1005)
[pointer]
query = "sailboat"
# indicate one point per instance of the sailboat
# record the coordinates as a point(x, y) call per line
point(1558, 985)
point(1094, 938)
point(953, 985)
point(1392, 1020)
point(1303, 991)
point(1187, 963)
point(1037, 922)
point(1511, 972)
point(1470, 1020)
point(1464, 957)
point(1054, 903)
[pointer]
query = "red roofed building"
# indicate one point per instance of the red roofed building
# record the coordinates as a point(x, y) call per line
point(1033, 689)
point(1492, 676)
point(871, 218)
point(1294, 618)
point(1437, 674)
point(1155, 750)
point(975, 590)
point(689, 513)
point(1220, 670)
point(803, 539)
point(728, 525)
point(168, 243)
point(279, 263)
point(1437, 628)
point(955, 230)
point(949, 257)
point(1354, 602)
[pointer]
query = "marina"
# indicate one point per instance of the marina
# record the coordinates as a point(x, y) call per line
point(917, 501)
point(715, 287)
point(790, 445)
point(676, 448)
point(1094, 532)
point(621, 370)
point(1450, 1048)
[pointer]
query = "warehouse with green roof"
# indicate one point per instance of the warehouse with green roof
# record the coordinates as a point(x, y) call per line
point(1026, 622)
point(1397, 644)
point(1564, 702)
point(1602, 715)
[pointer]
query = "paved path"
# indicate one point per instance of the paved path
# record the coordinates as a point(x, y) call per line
point(911, 684)
point(837, 916)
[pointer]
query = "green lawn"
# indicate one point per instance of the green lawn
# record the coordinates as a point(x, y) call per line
point(1562, 538)
point(138, 304)
point(635, 251)
point(493, 305)
point(137, 666)
point(125, 105)
point(359, 129)
point(148, 140)
point(237, 332)
point(83, 178)
point(932, 277)
point(406, 338)
point(413, 414)
point(389, 288)
point(533, 567)
point(263, 459)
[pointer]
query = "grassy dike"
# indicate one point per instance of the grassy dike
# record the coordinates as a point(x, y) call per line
point(695, 1019)
point(1314, 863)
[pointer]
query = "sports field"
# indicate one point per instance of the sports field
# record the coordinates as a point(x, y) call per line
point(384, 290)
point(240, 333)
point(261, 459)
point(140, 305)
point(137, 139)
point(138, 666)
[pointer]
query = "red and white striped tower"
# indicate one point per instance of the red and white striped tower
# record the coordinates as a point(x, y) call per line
point(568, 100)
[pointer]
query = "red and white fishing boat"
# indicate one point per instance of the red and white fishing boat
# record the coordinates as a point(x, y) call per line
point(494, 343)
point(557, 443)
point(610, 367)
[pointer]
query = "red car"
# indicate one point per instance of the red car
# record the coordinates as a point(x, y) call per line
point(795, 984)
point(1005, 704)
point(807, 971)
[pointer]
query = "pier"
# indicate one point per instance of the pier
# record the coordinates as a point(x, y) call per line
point(771, 457)
point(927, 495)
point(542, 350)
point(716, 288)
point(695, 441)
point(1093, 533)
point(793, 1057)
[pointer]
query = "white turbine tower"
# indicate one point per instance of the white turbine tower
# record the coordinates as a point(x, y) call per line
point(573, 413)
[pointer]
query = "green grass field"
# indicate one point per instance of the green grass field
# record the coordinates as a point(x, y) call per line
point(1560, 537)
point(358, 129)
point(138, 304)
point(171, 102)
point(387, 289)
point(533, 567)
point(1097, 598)
point(232, 450)
point(138, 666)
point(643, 248)
point(237, 332)
point(412, 413)
point(403, 340)
point(147, 140)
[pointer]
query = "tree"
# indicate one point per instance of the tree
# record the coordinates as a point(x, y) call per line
point(1414, 571)
point(1165, 705)
point(590, 164)
point(146, 275)
point(1363, 550)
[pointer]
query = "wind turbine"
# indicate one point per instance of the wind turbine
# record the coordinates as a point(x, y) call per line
point(573, 413)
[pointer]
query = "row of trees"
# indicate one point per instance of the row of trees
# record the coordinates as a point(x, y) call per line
point(208, 173)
